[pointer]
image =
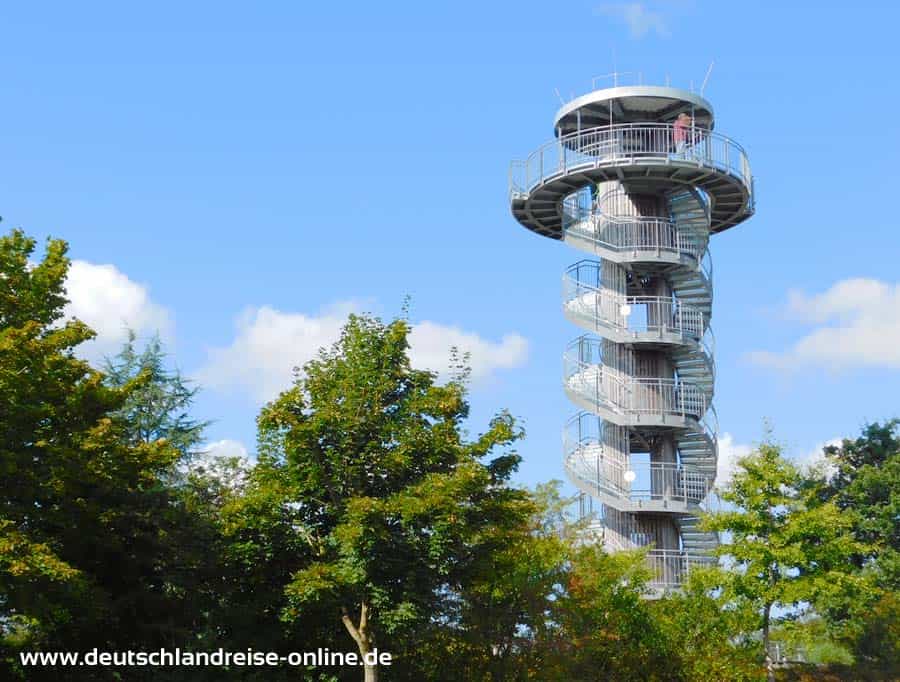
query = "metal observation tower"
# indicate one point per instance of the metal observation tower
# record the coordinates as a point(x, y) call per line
point(639, 187)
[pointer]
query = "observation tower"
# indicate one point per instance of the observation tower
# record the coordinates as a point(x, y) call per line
point(637, 179)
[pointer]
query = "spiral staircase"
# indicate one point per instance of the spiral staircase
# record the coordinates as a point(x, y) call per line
point(641, 196)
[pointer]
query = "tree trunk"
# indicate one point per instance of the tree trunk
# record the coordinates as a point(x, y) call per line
point(770, 668)
point(365, 640)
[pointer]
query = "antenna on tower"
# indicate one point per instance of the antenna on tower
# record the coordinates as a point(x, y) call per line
point(708, 71)
point(556, 90)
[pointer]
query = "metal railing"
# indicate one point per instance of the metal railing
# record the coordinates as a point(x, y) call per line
point(631, 234)
point(706, 267)
point(671, 566)
point(605, 387)
point(628, 314)
point(637, 482)
point(709, 422)
point(628, 142)
point(617, 78)
point(620, 78)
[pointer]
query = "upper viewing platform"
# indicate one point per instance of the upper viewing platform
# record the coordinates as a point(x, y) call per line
point(632, 103)
point(657, 140)
point(624, 97)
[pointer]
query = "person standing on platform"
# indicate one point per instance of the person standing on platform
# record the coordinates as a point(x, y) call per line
point(681, 132)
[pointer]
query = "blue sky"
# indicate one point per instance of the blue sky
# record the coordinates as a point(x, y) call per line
point(248, 173)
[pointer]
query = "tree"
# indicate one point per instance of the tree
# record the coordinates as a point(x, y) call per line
point(786, 547)
point(394, 505)
point(706, 633)
point(862, 478)
point(864, 481)
point(263, 544)
point(81, 503)
point(158, 405)
point(605, 624)
point(496, 626)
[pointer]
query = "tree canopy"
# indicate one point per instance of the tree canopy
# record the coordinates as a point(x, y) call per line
point(396, 507)
point(82, 503)
point(370, 519)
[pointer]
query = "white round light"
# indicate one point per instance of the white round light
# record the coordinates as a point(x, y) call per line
point(630, 476)
point(625, 310)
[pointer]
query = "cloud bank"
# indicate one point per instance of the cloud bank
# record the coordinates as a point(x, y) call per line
point(855, 323)
point(110, 303)
point(270, 343)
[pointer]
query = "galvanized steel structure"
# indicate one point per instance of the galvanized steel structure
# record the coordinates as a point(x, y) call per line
point(630, 183)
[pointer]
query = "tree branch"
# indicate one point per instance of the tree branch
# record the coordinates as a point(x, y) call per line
point(351, 628)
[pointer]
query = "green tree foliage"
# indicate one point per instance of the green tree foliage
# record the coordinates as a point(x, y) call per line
point(395, 507)
point(707, 634)
point(264, 544)
point(863, 480)
point(787, 548)
point(605, 628)
point(373, 520)
point(79, 520)
point(496, 625)
point(157, 406)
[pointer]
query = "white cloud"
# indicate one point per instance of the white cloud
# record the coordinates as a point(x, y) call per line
point(855, 323)
point(729, 454)
point(816, 457)
point(209, 460)
point(110, 303)
point(270, 343)
point(638, 17)
point(225, 448)
point(267, 346)
point(430, 343)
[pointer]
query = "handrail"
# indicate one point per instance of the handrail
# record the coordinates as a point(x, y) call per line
point(632, 78)
point(650, 481)
point(627, 141)
point(706, 265)
point(660, 313)
point(638, 233)
point(671, 566)
point(587, 212)
point(710, 423)
point(631, 395)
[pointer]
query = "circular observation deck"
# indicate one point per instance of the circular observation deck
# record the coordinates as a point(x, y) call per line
point(628, 134)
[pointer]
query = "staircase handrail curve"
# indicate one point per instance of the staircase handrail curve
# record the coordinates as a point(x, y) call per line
point(614, 462)
point(592, 342)
point(709, 340)
point(589, 264)
point(678, 397)
point(597, 216)
point(707, 343)
point(678, 552)
point(628, 140)
point(679, 483)
point(691, 319)
point(624, 298)
point(709, 423)
point(706, 265)
point(709, 354)
point(672, 566)
point(681, 241)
